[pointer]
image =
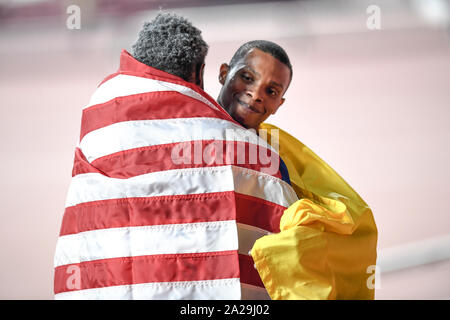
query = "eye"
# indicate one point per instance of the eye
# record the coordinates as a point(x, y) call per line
point(246, 77)
point(272, 92)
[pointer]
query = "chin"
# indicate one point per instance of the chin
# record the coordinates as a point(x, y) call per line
point(249, 126)
point(242, 122)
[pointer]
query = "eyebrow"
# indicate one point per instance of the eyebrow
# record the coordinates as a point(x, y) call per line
point(251, 69)
point(276, 84)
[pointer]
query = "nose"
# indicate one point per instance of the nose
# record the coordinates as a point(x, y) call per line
point(254, 93)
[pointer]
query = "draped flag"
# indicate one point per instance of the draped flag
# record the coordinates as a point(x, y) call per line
point(327, 246)
point(167, 195)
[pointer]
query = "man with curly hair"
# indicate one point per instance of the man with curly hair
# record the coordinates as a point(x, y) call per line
point(171, 44)
point(157, 209)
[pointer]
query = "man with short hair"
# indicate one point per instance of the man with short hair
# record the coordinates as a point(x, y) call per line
point(156, 208)
point(254, 82)
point(328, 238)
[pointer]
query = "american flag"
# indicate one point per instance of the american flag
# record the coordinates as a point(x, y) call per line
point(161, 204)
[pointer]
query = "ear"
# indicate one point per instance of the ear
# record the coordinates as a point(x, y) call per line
point(223, 72)
point(199, 76)
point(282, 101)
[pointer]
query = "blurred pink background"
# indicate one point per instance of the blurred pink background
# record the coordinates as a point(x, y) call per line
point(374, 104)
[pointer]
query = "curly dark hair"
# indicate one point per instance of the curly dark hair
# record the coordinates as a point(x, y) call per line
point(172, 44)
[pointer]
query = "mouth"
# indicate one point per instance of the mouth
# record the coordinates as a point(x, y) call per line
point(249, 107)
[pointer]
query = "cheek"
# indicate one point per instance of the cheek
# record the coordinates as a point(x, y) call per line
point(274, 106)
point(263, 118)
point(226, 96)
point(237, 86)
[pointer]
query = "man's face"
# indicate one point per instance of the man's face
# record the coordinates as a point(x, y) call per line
point(253, 88)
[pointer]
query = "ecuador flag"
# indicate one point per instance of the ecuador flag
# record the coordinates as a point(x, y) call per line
point(328, 238)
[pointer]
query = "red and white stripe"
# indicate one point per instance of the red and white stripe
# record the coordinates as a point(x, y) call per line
point(136, 226)
point(124, 85)
point(145, 133)
point(90, 187)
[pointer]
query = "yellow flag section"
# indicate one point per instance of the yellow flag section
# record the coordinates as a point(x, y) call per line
point(328, 238)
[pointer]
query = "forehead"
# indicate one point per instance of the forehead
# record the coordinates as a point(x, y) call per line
point(265, 65)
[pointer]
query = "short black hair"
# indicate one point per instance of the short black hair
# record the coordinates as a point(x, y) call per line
point(266, 46)
point(172, 44)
